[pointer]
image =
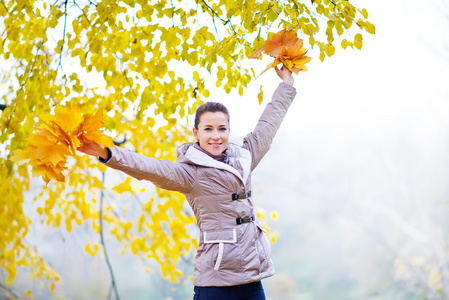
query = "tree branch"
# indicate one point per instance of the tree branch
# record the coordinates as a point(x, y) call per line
point(114, 284)
point(118, 143)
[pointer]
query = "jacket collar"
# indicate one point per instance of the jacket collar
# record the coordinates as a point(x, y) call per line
point(221, 157)
point(235, 154)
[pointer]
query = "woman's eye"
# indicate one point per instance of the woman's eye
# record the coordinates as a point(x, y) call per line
point(223, 129)
point(206, 129)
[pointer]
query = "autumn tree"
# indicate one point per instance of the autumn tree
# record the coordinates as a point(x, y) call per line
point(139, 62)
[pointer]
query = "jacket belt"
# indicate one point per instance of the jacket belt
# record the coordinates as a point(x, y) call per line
point(247, 219)
point(237, 196)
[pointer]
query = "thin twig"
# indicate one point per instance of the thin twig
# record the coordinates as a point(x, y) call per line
point(216, 31)
point(87, 19)
point(296, 4)
point(197, 19)
point(298, 9)
point(215, 13)
point(225, 22)
point(8, 290)
point(110, 292)
point(22, 85)
point(63, 36)
point(4, 5)
point(114, 284)
point(172, 14)
point(232, 27)
point(126, 76)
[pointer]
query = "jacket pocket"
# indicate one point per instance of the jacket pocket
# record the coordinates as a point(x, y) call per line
point(263, 247)
point(219, 237)
point(260, 226)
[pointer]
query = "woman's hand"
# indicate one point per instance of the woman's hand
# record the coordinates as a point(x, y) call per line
point(285, 74)
point(92, 148)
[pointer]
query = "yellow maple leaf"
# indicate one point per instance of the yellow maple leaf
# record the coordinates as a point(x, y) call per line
point(20, 157)
point(61, 133)
point(69, 119)
point(294, 58)
point(49, 173)
point(43, 136)
point(52, 155)
point(92, 130)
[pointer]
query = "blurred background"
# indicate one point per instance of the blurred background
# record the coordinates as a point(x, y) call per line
point(358, 177)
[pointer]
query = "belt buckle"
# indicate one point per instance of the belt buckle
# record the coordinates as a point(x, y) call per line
point(237, 196)
point(247, 219)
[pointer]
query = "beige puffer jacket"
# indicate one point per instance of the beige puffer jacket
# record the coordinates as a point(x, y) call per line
point(229, 253)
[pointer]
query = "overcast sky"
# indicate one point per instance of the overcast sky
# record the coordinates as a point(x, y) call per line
point(402, 72)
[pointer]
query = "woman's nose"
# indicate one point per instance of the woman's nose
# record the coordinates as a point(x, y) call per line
point(215, 135)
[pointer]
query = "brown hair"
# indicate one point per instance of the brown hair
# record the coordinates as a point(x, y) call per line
point(212, 107)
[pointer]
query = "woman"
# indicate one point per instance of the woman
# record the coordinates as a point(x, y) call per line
point(215, 176)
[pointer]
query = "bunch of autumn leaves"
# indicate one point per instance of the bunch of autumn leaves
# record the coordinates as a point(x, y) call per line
point(58, 137)
point(287, 49)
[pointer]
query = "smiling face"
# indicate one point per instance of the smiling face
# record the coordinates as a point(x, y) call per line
point(213, 132)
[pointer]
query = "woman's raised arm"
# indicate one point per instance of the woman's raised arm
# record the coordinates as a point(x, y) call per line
point(258, 142)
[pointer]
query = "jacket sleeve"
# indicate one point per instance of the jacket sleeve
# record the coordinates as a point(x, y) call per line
point(258, 142)
point(161, 172)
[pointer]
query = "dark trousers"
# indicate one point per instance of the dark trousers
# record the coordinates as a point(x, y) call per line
point(248, 291)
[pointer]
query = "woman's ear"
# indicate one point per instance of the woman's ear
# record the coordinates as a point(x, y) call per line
point(195, 132)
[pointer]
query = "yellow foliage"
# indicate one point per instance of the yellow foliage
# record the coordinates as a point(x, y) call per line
point(120, 57)
point(435, 279)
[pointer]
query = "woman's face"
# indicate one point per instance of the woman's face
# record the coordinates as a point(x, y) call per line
point(213, 132)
